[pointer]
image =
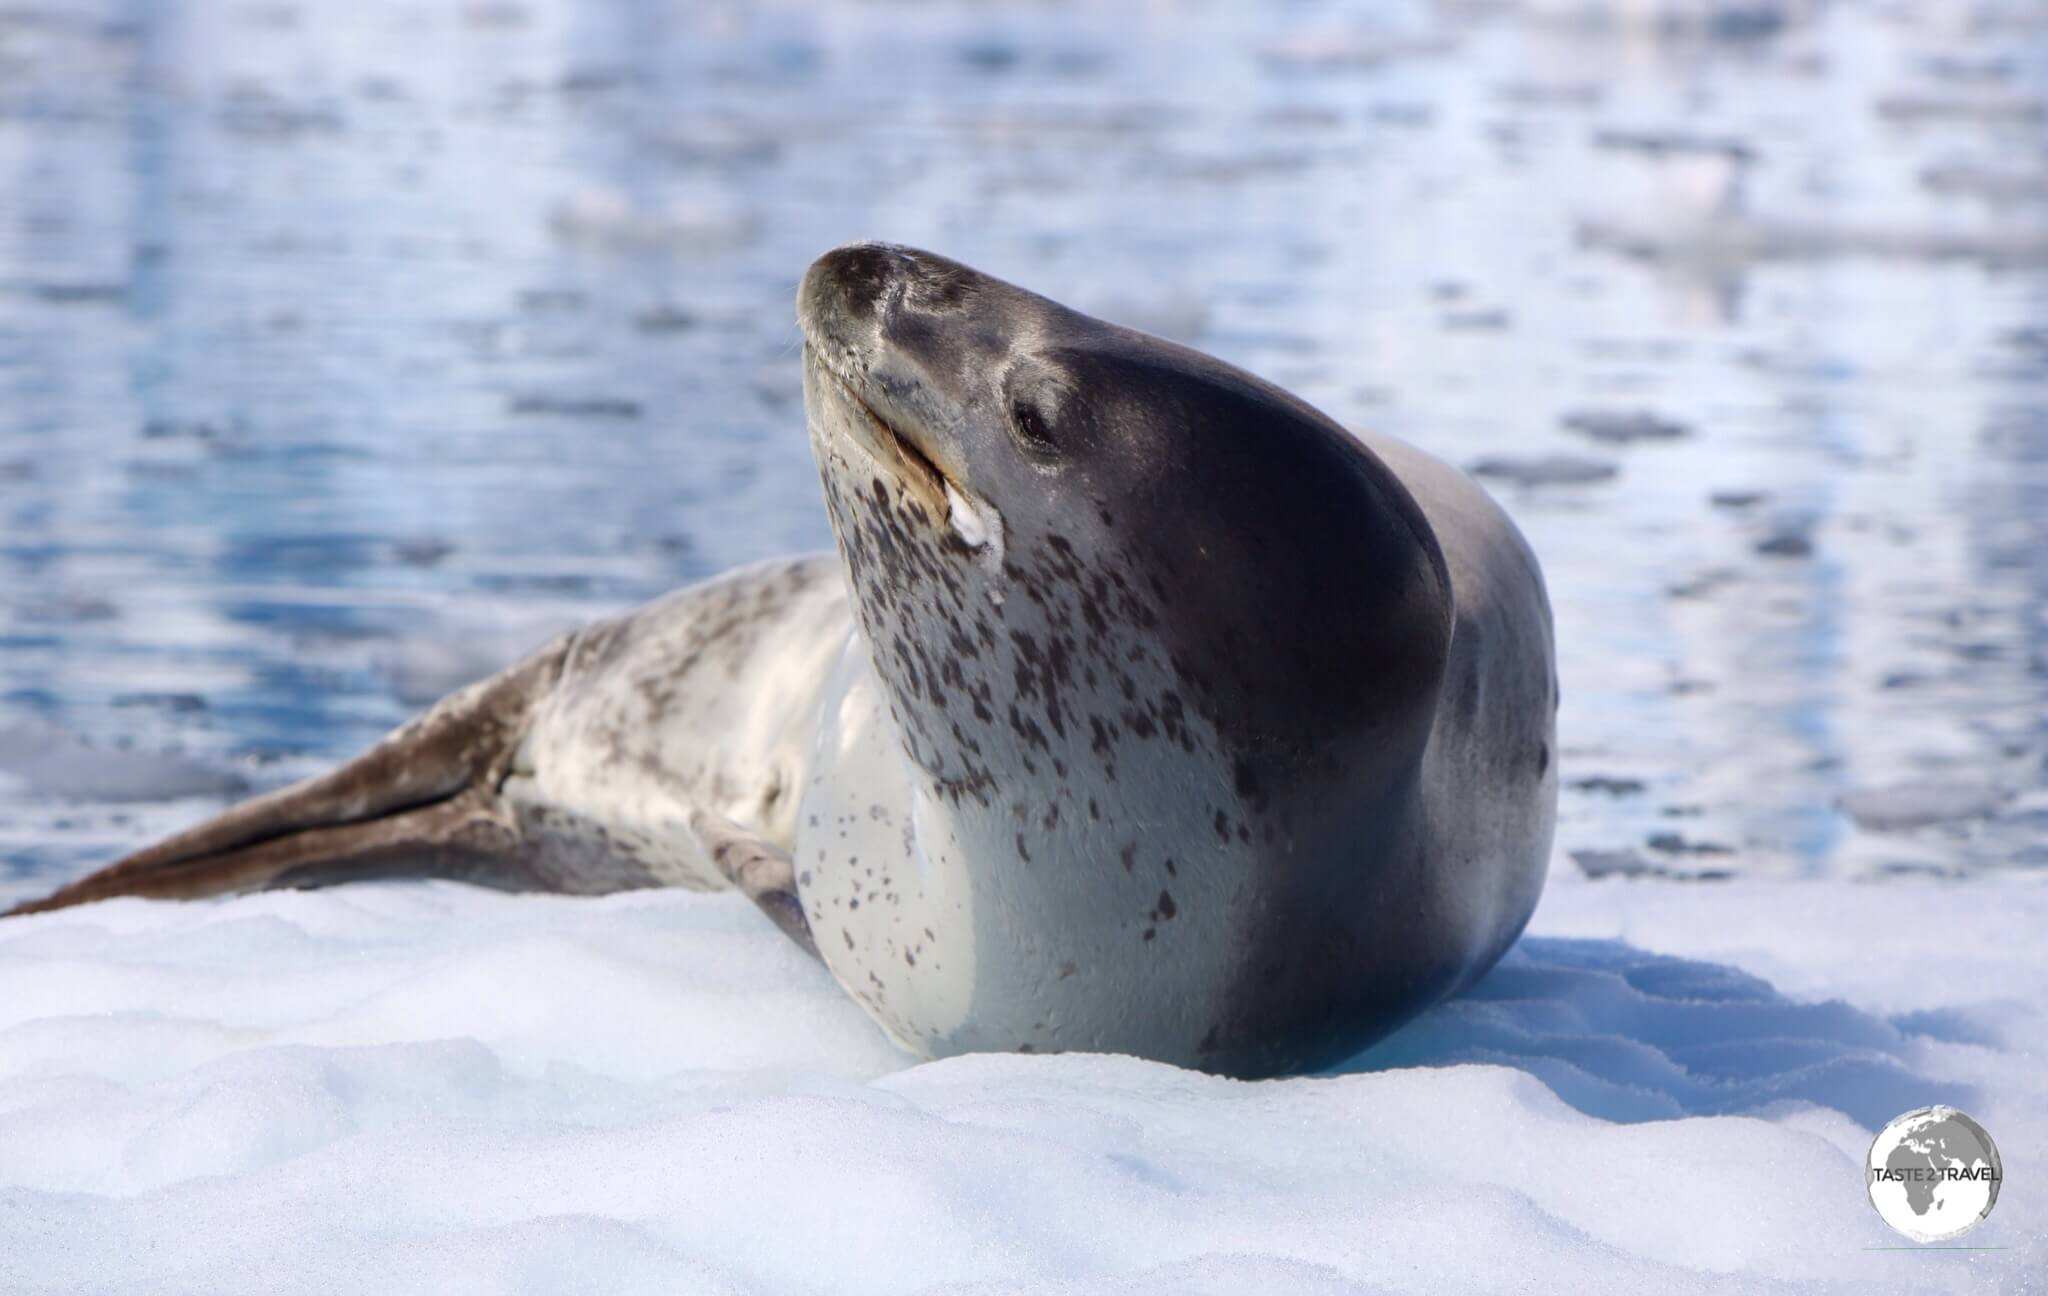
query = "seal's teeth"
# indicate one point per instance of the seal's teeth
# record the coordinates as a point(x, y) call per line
point(967, 520)
point(978, 526)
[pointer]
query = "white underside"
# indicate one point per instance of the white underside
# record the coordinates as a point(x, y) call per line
point(883, 879)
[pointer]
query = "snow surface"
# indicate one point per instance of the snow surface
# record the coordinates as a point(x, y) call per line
point(1666, 1087)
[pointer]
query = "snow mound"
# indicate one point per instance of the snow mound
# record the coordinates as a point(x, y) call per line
point(431, 1088)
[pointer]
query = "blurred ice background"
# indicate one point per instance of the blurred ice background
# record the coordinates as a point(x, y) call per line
point(347, 350)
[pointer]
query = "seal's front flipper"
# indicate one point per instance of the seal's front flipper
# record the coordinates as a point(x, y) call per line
point(424, 802)
point(758, 869)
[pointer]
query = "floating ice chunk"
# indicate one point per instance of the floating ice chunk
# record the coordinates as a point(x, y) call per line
point(1543, 470)
point(1919, 805)
point(613, 220)
point(1625, 427)
point(54, 762)
point(1183, 317)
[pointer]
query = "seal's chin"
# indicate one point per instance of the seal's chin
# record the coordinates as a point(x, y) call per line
point(888, 446)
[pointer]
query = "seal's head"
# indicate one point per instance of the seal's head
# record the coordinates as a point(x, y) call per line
point(1126, 599)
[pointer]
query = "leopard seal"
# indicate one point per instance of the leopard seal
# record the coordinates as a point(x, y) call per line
point(1141, 708)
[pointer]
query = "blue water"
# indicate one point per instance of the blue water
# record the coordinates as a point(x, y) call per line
point(347, 350)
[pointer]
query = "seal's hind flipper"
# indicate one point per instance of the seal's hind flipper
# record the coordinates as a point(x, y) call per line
point(421, 803)
point(577, 770)
point(758, 869)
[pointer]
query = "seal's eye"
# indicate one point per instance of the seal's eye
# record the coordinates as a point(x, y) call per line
point(1031, 427)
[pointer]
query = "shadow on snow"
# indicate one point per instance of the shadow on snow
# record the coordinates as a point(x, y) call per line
point(1628, 1035)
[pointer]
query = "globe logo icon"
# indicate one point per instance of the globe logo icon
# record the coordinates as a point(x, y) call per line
point(1933, 1174)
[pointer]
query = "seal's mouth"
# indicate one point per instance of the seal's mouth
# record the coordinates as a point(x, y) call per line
point(973, 519)
point(915, 462)
point(891, 447)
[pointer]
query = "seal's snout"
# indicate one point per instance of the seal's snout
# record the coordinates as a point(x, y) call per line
point(863, 289)
point(845, 289)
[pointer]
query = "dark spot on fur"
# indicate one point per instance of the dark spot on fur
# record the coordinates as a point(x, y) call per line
point(1246, 780)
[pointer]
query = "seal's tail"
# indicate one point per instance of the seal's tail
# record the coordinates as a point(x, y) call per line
point(421, 803)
